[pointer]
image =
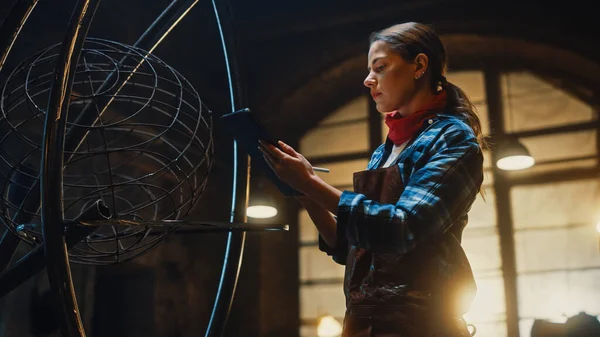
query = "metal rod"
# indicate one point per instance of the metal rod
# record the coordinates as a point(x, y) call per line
point(190, 225)
point(235, 242)
point(18, 15)
point(51, 177)
point(34, 261)
point(149, 41)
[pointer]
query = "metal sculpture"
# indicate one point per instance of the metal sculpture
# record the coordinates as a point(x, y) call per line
point(146, 155)
point(125, 153)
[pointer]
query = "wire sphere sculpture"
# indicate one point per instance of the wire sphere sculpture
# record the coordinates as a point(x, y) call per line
point(138, 139)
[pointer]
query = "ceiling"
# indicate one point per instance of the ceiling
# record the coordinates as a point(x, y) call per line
point(300, 60)
point(308, 59)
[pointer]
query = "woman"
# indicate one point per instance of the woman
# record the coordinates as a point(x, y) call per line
point(399, 232)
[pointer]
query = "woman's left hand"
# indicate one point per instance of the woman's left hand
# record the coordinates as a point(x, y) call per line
point(290, 166)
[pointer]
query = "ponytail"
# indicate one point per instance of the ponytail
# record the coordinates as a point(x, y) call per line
point(459, 104)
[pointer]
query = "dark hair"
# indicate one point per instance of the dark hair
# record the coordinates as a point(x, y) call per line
point(410, 39)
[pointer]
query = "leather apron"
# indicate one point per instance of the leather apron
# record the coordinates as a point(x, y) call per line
point(405, 295)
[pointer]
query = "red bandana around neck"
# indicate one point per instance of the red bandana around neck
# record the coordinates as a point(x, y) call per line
point(402, 129)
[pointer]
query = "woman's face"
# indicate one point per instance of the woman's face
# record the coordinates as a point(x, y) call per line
point(391, 78)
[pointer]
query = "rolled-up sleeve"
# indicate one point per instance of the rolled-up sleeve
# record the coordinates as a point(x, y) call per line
point(339, 252)
point(442, 187)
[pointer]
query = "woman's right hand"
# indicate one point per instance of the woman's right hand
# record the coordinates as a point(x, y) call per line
point(304, 200)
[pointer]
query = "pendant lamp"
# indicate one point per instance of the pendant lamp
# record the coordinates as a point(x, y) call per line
point(514, 156)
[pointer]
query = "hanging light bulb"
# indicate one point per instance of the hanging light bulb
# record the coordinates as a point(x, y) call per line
point(261, 202)
point(261, 205)
point(513, 156)
point(329, 327)
point(261, 211)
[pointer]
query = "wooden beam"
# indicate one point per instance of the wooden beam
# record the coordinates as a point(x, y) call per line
point(504, 219)
point(555, 176)
point(596, 108)
point(557, 129)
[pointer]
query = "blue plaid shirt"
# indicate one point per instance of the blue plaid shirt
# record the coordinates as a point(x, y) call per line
point(442, 171)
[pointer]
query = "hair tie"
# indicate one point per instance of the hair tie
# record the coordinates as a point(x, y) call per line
point(441, 84)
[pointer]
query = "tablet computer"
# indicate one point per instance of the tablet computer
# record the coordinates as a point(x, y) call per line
point(247, 130)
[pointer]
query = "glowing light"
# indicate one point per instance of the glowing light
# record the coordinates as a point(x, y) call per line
point(485, 303)
point(261, 211)
point(513, 155)
point(514, 163)
point(329, 327)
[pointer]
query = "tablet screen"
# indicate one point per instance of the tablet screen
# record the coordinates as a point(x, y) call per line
point(247, 130)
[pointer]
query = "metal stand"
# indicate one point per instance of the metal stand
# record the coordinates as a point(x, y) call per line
point(58, 147)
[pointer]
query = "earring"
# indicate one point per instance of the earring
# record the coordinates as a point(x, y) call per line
point(419, 76)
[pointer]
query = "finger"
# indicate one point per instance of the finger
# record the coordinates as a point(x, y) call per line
point(266, 147)
point(288, 149)
point(272, 161)
point(269, 161)
point(268, 155)
point(273, 151)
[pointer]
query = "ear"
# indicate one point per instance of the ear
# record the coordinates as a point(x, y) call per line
point(421, 63)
